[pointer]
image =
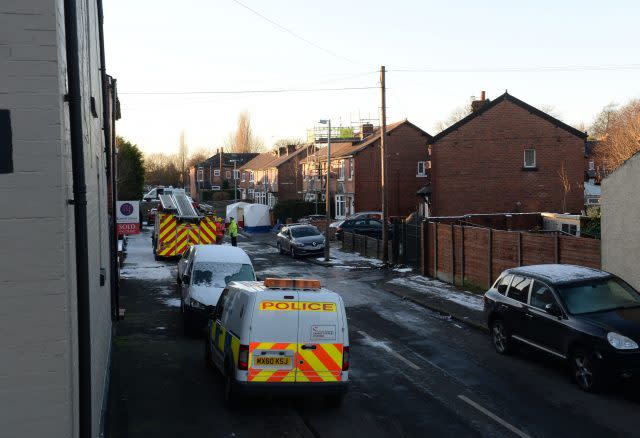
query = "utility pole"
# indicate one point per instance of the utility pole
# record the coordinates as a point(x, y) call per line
point(235, 182)
point(383, 168)
point(327, 245)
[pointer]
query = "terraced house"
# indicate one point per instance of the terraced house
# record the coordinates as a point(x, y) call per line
point(217, 172)
point(274, 175)
point(355, 183)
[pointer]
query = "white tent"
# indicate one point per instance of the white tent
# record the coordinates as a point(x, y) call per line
point(251, 217)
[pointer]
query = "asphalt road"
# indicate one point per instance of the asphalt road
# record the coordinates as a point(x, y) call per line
point(414, 373)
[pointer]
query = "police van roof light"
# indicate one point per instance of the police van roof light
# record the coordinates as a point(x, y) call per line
point(291, 283)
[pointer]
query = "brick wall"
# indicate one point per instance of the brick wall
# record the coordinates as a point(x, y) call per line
point(38, 327)
point(478, 168)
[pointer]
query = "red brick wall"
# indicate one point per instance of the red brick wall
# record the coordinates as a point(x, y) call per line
point(406, 146)
point(478, 167)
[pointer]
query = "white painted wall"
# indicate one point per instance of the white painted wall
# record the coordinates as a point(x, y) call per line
point(621, 221)
point(38, 320)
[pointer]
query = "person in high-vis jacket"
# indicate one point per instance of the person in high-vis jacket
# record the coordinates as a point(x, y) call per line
point(233, 231)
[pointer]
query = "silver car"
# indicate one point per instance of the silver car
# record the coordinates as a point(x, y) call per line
point(300, 240)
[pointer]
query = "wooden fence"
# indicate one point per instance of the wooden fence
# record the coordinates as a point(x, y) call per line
point(473, 256)
point(365, 246)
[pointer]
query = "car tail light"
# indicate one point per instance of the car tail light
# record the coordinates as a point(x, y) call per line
point(345, 358)
point(243, 358)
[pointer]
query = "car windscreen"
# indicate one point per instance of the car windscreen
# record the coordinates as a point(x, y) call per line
point(598, 296)
point(217, 274)
point(304, 231)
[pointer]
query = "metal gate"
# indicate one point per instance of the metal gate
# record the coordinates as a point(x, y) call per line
point(410, 250)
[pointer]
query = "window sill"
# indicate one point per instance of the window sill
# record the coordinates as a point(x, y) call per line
point(421, 175)
point(530, 169)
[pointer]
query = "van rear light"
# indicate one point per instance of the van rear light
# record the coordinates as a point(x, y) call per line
point(345, 358)
point(243, 358)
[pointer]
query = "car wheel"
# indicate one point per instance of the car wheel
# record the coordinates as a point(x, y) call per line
point(501, 337)
point(584, 370)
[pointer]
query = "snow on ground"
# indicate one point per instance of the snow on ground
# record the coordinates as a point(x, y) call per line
point(439, 289)
point(171, 302)
point(403, 269)
point(339, 257)
point(140, 263)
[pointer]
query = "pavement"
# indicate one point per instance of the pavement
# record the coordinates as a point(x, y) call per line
point(414, 371)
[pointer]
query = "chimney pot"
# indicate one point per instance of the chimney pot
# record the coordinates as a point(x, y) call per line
point(482, 95)
point(366, 130)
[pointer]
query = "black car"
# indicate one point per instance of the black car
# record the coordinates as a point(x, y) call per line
point(367, 227)
point(300, 240)
point(589, 317)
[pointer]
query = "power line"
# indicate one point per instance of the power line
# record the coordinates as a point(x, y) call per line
point(565, 68)
point(278, 90)
point(311, 43)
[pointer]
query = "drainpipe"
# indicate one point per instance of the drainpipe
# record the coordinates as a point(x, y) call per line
point(110, 165)
point(79, 203)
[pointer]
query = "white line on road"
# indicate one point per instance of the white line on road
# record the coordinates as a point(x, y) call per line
point(494, 417)
point(383, 345)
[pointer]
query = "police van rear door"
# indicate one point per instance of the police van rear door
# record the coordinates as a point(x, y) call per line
point(274, 336)
point(320, 337)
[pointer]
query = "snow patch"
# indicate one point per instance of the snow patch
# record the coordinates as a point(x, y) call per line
point(403, 269)
point(438, 289)
point(171, 302)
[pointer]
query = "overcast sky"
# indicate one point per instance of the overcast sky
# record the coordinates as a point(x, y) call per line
point(161, 46)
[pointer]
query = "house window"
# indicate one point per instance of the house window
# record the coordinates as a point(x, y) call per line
point(200, 176)
point(250, 193)
point(215, 188)
point(529, 158)
point(244, 176)
point(422, 169)
point(216, 172)
point(350, 168)
point(340, 206)
point(228, 174)
point(235, 174)
point(271, 200)
point(250, 176)
point(570, 229)
point(341, 171)
point(592, 165)
point(260, 197)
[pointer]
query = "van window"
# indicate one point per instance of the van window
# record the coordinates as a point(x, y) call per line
point(504, 284)
point(221, 304)
point(215, 274)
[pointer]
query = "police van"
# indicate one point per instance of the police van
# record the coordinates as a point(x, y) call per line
point(280, 335)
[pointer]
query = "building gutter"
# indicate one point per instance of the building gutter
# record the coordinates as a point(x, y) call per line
point(79, 203)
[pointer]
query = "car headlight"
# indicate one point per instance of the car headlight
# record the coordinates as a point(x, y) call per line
point(196, 304)
point(620, 342)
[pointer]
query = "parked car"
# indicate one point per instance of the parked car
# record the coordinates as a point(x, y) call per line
point(360, 215)
point(182, 264)
point(209, 268)
point(367, 227)
point(300, 240)
point(588, 317)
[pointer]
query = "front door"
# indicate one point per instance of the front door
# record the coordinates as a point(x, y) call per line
point(320, 338)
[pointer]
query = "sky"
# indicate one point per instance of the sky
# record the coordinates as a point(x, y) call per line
point(572, 56)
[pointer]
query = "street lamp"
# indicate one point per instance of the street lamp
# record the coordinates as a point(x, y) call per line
point(235, 181)
point(327, 198)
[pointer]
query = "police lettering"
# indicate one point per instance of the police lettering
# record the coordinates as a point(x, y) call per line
point(304, 306)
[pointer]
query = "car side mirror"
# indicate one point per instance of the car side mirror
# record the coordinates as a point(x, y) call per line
point(553, 309)
point(147, 199)
point(186, 279)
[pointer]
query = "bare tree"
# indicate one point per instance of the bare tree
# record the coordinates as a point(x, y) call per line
point(162, 169)
point(600, 124)
point(456, 115)
point(183, 156)
point(198, 156)
point(566, 186)
point(243, 139)
point(619, 134)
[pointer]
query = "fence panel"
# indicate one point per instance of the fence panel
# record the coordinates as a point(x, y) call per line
point(373, 247)
point(347, 242)
point(580, 251)
point(411, 245)
point(359, 244)
point(476, 256)
point(429, 271)
point(444, 253)
point(504, 251)
point(538, 249)
point(458, 255)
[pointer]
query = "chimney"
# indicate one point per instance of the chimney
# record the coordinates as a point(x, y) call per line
point(291, 148)
point(477, 104)
point(366, 130)
point(282, 150)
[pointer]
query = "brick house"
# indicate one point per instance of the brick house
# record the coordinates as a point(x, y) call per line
point(506, 156)
point(275, 175)
point(355, 171)
point(216, 172)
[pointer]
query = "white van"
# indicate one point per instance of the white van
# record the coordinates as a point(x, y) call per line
point(209, 268)
point(280, 335)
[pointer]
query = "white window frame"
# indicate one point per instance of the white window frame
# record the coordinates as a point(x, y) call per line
point(592, 165)
point(236, 174)
point(530, 166)
point(251, 177)
point(244, 176)
point(250, 193)
point(227, 174)
point(216, 172)
point(341, 170)
point(200, 174)
point(423, 171)
point(216, 188)
point(351, 168)
point(271, 200)
point(340, 204)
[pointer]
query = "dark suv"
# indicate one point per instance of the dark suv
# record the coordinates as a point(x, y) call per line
point(589, 317)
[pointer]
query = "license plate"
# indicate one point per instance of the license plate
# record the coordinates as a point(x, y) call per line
point(270, 361)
